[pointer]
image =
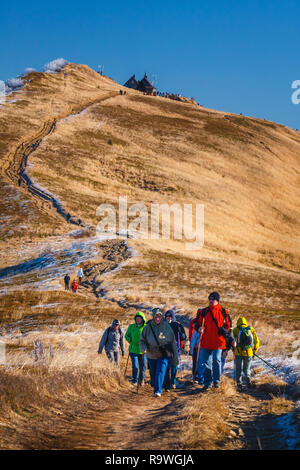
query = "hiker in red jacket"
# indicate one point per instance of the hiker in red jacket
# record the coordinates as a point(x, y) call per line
point(74, 286)
point(215, 326)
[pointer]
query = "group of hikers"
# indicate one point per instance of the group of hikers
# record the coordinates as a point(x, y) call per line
point(74, 286)
point(158, 342)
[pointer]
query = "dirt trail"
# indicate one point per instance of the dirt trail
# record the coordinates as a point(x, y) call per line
point(127, 420)
point(131, 420)
point(14, 166)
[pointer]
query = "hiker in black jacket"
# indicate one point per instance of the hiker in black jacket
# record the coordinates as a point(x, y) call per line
point(67, 282)
point(180, 337)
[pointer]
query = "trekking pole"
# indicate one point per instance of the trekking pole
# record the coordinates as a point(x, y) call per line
point(179, 350)
point(196, 362)
point(198, 349)
point(126, 364)
point(268, 364)
point(138, 383)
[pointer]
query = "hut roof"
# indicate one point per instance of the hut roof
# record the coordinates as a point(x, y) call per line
point(132, 83)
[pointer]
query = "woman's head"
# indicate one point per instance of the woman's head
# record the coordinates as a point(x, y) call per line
point(170, 316)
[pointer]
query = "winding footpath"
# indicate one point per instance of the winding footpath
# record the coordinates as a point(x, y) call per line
point(14, 166)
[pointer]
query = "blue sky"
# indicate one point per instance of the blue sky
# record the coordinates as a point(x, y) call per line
point(236, 56)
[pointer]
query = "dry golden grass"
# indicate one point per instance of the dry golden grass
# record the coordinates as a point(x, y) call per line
point(161, 151)
point(51, 385)
point(205, 424)
point(280, 405)
point(44, 97)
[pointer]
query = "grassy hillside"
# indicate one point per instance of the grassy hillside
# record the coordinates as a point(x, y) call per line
point(85, 144)
point(244, 170)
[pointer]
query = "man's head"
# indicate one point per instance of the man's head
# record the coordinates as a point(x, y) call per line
point(116, 324)
point(214, 298)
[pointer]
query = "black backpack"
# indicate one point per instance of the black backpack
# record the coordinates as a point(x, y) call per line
point(222, 331)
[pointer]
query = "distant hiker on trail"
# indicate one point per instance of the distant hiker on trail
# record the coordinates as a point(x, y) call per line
point(67, 282)
point(214, 327)
point(247, 344)
point(112, 341)
point(180, 337)
point(138, 359)
point(74, 286)
point(194, 352)
point(80, 275)
point(158, 340)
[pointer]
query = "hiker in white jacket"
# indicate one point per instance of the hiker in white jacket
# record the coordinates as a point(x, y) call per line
point(80, 275)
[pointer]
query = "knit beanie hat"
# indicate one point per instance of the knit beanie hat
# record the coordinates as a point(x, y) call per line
point(214, 296)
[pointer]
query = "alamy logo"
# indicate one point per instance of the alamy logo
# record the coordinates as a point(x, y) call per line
point(2, 91)
point(137, 221)
point(296, 94)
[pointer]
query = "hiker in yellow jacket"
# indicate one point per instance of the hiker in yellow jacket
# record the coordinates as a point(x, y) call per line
point(247, 344)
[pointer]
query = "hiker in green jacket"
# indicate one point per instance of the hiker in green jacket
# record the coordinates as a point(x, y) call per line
point(138, 359)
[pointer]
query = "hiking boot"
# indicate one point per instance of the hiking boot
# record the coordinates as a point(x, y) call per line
point(216, 385)
point(239, 387)
point(173, 386)
point(157, 394)
point(249, 383)
point(141, 383)
point(206, 387)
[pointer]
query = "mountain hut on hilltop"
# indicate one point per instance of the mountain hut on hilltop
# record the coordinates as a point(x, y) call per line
point(142, 85)
point(145, 86)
